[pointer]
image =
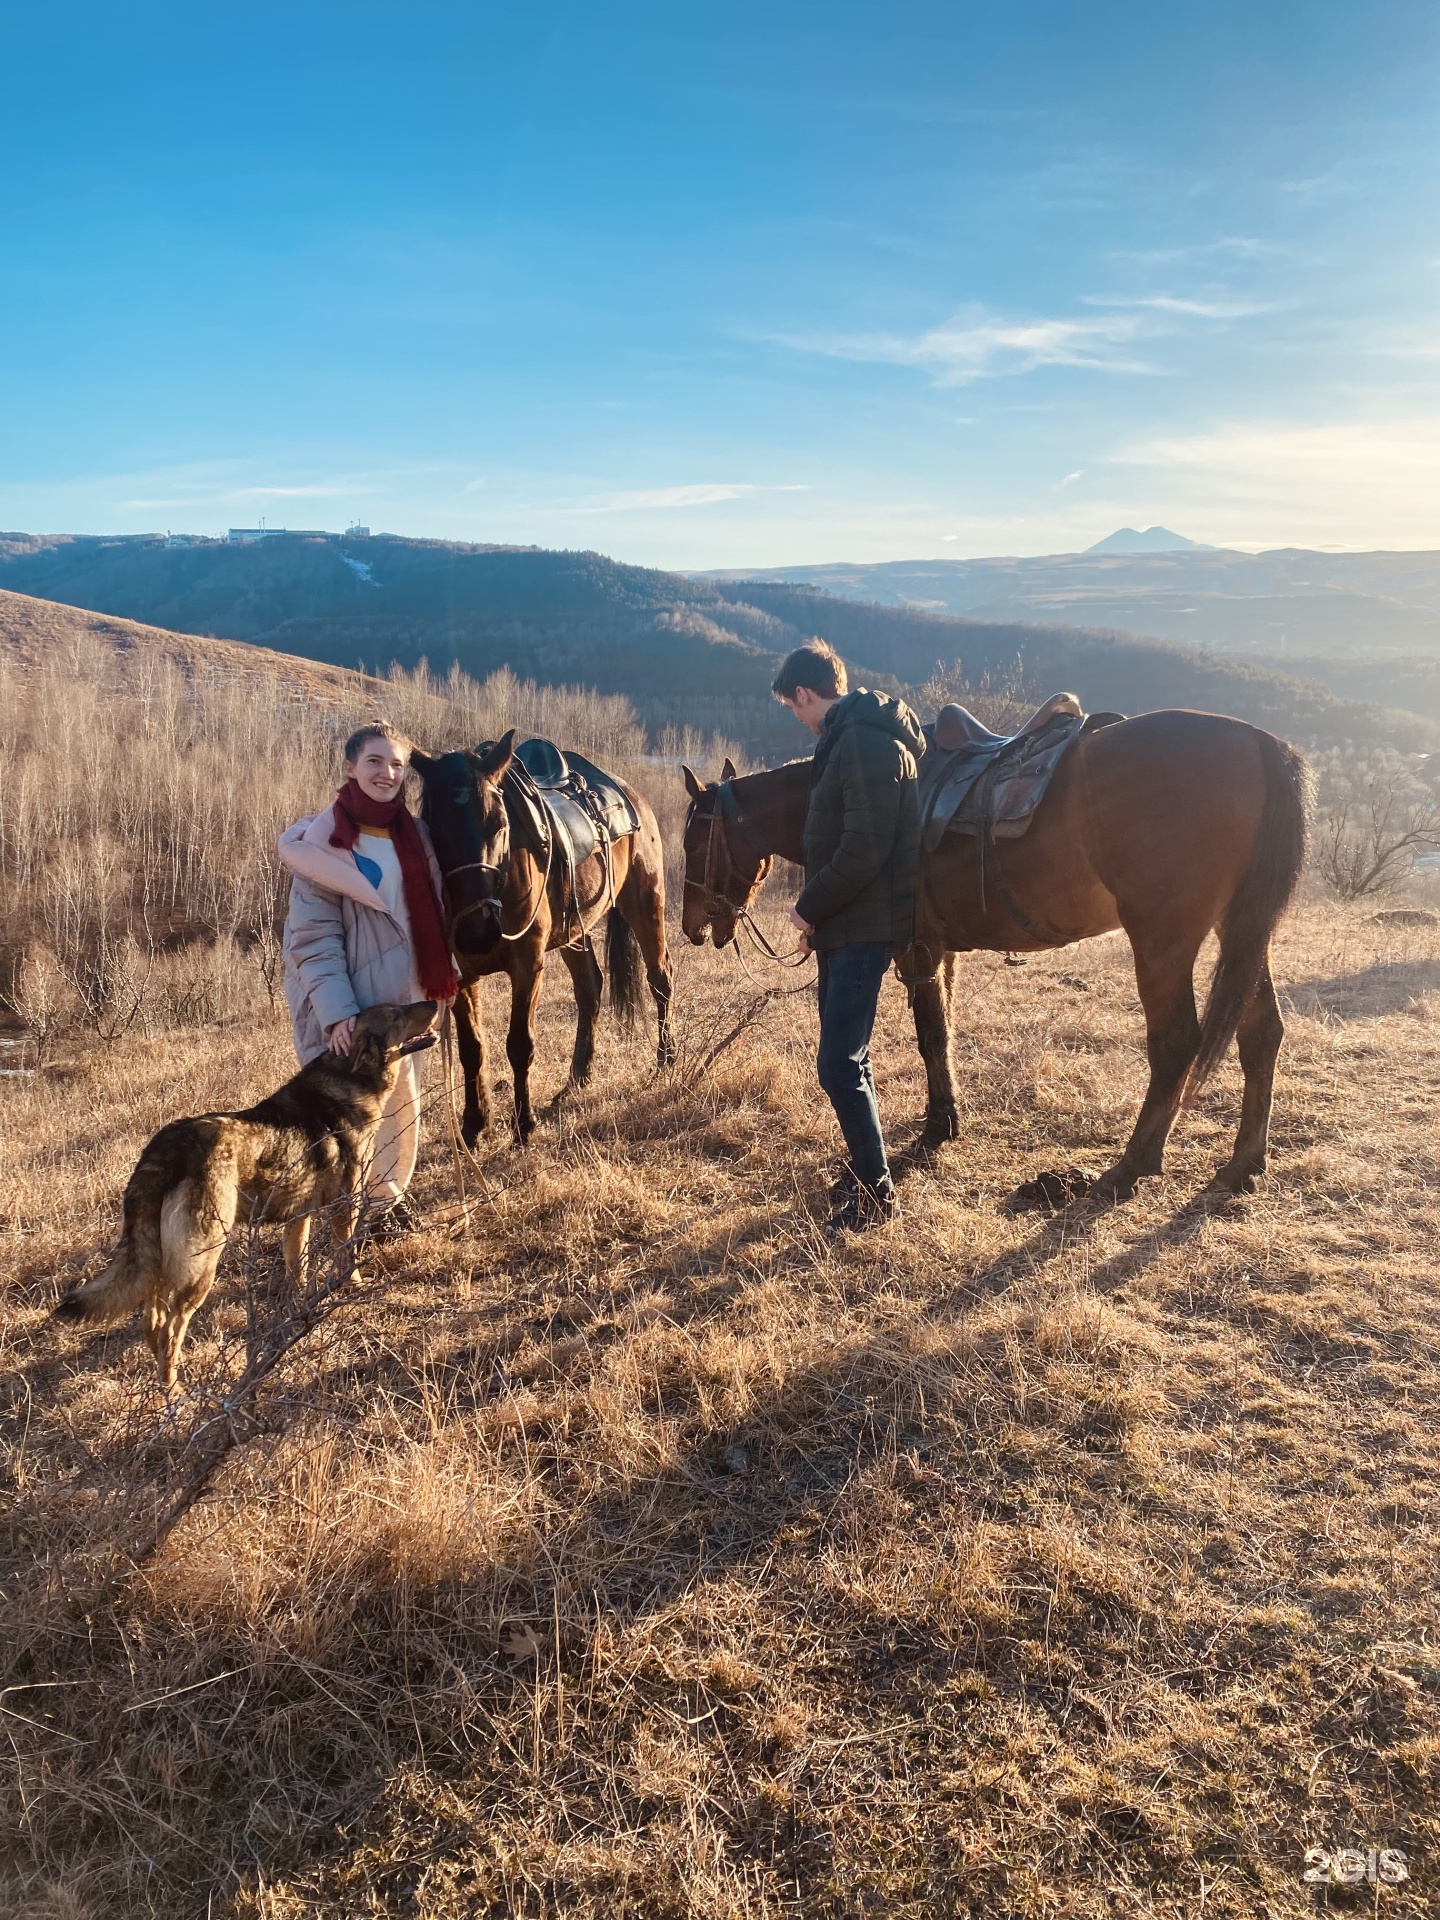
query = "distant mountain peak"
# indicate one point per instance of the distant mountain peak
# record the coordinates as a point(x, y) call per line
point(1152, 540)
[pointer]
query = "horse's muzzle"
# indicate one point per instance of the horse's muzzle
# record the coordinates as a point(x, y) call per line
point(479, 932)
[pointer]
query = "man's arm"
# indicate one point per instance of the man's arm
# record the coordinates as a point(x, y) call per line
point(870, 791)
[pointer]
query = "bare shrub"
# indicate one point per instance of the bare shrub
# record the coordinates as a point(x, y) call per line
point(1378, 810)
point(142, 802)
point(1001, 701)
point(43, 999)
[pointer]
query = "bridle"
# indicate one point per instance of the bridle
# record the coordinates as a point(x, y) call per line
point(464, 800)
point(725, 818)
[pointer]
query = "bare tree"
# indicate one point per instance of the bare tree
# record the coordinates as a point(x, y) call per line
point(1378, 810)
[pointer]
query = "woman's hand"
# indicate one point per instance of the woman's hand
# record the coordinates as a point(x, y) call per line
point(805, 930)
point(341, 1034)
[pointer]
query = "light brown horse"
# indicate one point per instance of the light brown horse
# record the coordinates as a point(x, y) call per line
point(1169, 825)
point(508, 903)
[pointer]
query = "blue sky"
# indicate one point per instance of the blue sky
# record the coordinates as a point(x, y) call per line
point(725, 285)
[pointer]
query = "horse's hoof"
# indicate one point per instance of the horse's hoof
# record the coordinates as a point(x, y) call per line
point(1233, 1178)
point(940, 1126)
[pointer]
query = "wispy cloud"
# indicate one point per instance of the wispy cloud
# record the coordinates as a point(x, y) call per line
point(286, 493)
point(710, 495)
point(1188, 308)
point(979, 346)
point(1071, 478)
point(1236, 246)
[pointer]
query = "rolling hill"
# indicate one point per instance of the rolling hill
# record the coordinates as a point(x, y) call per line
point(1289, 603)
point(683, 649)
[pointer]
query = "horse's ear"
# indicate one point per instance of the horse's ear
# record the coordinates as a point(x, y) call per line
point(421, 762)
point(694, 785)
point(494, 760)
point(729, 770)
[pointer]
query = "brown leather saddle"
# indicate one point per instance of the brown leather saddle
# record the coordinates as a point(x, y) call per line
point(575, 807)
point(989, 785)
point(972, 779)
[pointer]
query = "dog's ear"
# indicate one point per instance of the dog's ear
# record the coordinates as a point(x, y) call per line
point(367, 1052)
point(728, 771)
point(694, 785)
point(493, 760)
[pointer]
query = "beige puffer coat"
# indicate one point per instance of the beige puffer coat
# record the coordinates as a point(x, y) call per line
point(343, 949)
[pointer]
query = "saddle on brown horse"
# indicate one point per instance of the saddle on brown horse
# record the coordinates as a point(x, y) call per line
point(990, 785)
point(574, 809)
point(575, 806)
point(972, 779)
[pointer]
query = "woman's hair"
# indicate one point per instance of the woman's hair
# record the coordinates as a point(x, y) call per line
point(815, 665)
point(376, 730)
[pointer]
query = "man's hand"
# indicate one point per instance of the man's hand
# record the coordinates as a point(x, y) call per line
point(341, 1034)
point(805, 930)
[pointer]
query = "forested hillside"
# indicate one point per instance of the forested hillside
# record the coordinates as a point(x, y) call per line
point(684, 650)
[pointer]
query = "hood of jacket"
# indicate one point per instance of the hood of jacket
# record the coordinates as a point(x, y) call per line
point(863, 708)
point(305, 849)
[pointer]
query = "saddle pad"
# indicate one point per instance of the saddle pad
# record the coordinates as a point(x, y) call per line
point(951, 794)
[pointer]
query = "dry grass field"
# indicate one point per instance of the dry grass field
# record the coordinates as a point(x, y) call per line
point(626, 1550)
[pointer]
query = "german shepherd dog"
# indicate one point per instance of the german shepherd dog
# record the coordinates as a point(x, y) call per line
point(304, 1148)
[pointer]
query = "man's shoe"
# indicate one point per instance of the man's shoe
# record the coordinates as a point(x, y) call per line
point(867, 1207)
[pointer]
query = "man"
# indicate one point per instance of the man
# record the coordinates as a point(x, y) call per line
point(862, 841)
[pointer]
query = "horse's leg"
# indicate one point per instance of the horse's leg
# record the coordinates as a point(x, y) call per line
point(1259, 1035)
point(930, 1003)
point(642, 902)
point(1166, 981)
point(589, 986)
point(470, 1042)
point(525, 973)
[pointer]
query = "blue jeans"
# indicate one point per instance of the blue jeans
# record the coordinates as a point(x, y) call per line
point(850, 980)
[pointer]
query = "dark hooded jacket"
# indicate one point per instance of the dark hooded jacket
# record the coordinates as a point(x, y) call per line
point(862, 830)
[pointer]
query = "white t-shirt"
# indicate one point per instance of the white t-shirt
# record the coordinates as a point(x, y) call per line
point(377, 859)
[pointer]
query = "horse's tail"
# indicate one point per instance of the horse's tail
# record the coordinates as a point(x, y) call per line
point(623, 963)
point(1259, 900)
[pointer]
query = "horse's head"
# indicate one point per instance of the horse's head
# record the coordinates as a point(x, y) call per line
point(723, 869)
point(465, 812)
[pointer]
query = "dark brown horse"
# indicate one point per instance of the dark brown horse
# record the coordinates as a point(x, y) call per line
point(508, 904)
point(1170, 825)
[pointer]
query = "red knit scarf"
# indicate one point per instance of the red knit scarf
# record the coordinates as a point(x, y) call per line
point(355, 809)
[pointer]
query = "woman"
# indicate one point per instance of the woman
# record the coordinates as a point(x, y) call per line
point(365, 928)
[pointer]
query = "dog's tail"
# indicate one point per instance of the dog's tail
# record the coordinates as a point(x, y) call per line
point(123, 1285)
point(625, 966)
